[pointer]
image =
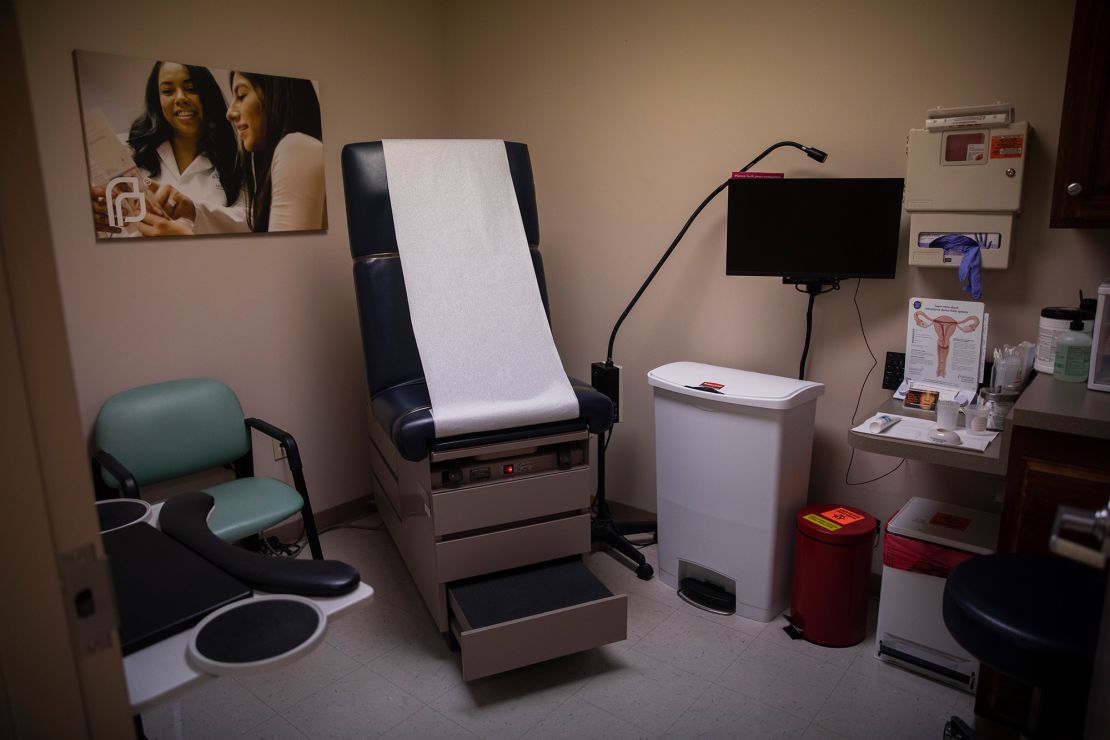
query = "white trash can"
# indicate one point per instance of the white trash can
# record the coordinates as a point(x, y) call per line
point(732, 456)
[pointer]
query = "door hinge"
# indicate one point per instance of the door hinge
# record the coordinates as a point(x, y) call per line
point(89, 599)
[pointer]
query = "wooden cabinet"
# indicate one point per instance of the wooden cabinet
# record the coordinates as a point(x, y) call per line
point(1081, 189)
point(1047, 469)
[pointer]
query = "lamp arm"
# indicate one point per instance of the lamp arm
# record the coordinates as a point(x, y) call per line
point(813, 153)
point(658, 266)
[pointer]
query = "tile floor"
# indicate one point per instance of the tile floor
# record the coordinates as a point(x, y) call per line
point(384, 671)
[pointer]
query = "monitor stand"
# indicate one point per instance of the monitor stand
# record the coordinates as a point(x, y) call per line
point(814, 287)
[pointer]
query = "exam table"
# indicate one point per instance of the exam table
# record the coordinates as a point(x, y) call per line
point(492, 525)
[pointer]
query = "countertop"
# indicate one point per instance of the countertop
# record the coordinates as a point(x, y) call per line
point(1058, 406)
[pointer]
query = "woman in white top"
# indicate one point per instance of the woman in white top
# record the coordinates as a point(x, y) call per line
point(188, 151)
point(277, 120)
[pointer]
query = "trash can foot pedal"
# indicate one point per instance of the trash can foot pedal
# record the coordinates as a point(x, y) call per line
point(707, 596)
point(791, 630)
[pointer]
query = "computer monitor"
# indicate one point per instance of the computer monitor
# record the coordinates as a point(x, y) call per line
point(808, 230)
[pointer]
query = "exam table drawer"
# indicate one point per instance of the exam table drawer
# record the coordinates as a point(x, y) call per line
point(511, 548)
point(509, 620)
point(515, 500)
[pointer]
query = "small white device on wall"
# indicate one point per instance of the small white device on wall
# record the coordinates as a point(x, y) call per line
point(964, 178)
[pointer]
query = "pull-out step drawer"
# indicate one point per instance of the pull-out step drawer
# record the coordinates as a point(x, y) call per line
point(529, 615)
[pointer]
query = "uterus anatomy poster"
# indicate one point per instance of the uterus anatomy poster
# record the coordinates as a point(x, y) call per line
point(945, 341)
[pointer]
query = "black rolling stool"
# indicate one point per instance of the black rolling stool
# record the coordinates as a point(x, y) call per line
point(1034, 618)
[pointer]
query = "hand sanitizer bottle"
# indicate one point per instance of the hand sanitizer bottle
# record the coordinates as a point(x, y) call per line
point(1073, 354)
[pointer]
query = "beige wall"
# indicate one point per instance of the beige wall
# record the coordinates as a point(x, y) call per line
point(274, 316)
point(635, 110)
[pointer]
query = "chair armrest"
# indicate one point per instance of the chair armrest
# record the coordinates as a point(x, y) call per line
point(184, 518)
point(128, 486)
point(282, 436)
point(294, 458)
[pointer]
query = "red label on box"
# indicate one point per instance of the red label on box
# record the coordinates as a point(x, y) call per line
point(950, 520)
point(711, 384)
point(1007, 147)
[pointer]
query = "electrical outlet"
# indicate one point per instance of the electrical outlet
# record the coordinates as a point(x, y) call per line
point(279, 451)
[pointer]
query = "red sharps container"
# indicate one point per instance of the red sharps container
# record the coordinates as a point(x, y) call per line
point(832, 564)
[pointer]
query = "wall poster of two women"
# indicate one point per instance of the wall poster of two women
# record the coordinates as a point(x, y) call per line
point(177, 149)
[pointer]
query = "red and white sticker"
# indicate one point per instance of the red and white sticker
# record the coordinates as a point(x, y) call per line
point(1008, 146)
point(943, 519)
point(711, 384)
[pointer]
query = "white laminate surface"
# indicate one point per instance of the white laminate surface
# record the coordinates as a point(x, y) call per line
point(1059, 406)
point(160, 671)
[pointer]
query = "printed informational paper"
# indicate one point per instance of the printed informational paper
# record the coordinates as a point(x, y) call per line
point(108, 156)
point(945, 341)
point(917, 430)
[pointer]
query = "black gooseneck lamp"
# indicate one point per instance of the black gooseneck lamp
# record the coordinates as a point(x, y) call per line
point(605, 377)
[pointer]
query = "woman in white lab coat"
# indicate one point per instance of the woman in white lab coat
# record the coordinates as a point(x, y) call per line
point(186, 148)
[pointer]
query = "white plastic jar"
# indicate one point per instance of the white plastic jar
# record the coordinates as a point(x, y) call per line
point(1055, 320)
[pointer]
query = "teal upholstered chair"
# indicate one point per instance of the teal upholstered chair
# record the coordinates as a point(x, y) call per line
point(166, 430)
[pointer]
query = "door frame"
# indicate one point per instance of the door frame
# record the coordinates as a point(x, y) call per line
point(51, 683)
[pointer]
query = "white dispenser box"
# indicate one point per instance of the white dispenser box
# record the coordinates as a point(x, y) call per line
point(732, 458)
point(923, 541)
point(964, 179)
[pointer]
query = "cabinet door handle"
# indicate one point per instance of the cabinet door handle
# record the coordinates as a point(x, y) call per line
point(1075, 189)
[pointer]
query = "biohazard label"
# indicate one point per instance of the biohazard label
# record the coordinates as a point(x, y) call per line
point(821, 521)
point(942, 519)
point(1007, 147)
point(842, 516)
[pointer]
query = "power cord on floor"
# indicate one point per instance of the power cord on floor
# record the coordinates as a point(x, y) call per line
point(274, 547)
point(859, 398)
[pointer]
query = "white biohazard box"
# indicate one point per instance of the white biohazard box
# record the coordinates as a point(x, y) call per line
point(921, 544)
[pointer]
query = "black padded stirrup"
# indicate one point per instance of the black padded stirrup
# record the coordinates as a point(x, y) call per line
point(256, 635)
point(184, 518)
